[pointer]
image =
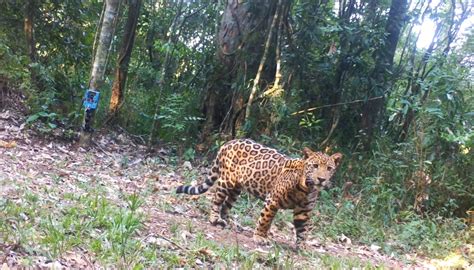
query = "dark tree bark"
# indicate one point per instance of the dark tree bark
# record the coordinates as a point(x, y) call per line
point(28, 25)
point(125, 53)
point(268, 41)
point(29, 28)
point(241, 30)
point(241, 39)
point(383, 67)
point(346, 10)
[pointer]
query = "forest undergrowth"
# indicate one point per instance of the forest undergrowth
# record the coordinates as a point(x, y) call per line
point(114, 206)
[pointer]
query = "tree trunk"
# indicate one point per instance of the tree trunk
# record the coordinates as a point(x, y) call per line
point(383, 67)
point(106, 34)
point(241, 40)
point(29, 28)
point(256, 81)
point(346, 10)
point(30, 8)
point(123, 60)
point(100, 62)
point(241, 22)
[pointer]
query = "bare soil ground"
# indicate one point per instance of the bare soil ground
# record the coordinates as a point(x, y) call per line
point(120, 166)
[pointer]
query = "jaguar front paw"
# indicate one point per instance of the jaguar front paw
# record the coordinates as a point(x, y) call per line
point(261, 240)
point(217, 221)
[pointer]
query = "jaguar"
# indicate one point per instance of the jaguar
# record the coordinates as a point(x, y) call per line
point(281, 181)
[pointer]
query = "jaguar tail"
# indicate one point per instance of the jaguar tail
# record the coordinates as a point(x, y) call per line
point(211, 178)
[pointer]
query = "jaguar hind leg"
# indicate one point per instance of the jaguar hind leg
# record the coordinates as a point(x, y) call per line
point(232, 196)
point(221, 193)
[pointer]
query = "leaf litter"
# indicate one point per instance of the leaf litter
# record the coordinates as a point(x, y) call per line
point(52, 169)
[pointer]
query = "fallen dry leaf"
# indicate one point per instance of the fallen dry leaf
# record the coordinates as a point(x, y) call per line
point(207, 253)
point(36, 165)
point(5, 144)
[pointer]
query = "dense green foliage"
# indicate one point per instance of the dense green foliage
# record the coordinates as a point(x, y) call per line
point(410, 163)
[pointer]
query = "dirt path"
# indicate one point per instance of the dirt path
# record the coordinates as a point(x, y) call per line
point(120, 167)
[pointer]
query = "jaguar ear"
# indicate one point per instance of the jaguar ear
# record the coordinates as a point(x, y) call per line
point(307, 152)
point(337, 158)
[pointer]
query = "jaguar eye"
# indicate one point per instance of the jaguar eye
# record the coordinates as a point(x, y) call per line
point(330, 168)
point(316, 166)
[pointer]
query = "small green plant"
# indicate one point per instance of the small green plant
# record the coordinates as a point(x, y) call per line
point(174, 228)
point(48, 117)
point(189, 154)
point(134, 202)
point(55, 238)
point(175, 119)
point(46, 120)
point(310, 122)
point(331, 262)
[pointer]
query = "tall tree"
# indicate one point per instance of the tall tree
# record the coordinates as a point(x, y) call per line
point(346, 10)
point(28, 26)
point(256, 81)
point(125, 53)
point(242, 37)
point(100, 61)
point(29, 29)
point(383, 67)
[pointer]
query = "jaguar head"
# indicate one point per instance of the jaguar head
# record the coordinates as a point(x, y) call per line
point(319, 168)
